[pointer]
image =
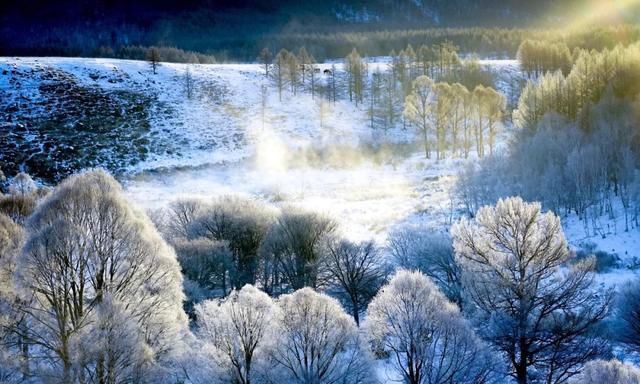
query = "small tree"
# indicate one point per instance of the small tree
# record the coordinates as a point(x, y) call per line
point(153, 57)
point(356, 72)
point(265, 58)
point(356, 272)
point(430, 253)
point(297, 244)
point(280, 67)
point(188, 82)
point(243, 224)
point(240, 328)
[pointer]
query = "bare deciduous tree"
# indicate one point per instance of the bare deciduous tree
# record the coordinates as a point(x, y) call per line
point(297, 243)
point(356, 272)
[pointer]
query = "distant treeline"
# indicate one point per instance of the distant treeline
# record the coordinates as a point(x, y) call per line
point(488, 42)
point(167, 54)
point(482, 41)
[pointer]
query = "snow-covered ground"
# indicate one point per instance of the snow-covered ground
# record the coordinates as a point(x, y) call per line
point(217, 143)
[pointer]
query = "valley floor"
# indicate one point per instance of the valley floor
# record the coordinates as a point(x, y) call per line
point(221, 141)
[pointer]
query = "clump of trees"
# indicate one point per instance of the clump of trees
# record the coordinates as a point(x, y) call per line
point(539, 57)
point(592, 75)
point(576, 148)
point(90, 292)
point(455, 118)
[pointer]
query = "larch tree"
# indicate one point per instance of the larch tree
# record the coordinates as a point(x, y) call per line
point(317, 342)
point(304, 60)
point(240, 327)
point(418, 110)
point(457, 122)
point(539, 314)
point(153, 57)
point(280, 70)
point(494, 105)
point(356, 70)
point(440, 116)
point(479, 96)
point(424, 333)
point(265, 58)
point(293, 71)
point(95, 272)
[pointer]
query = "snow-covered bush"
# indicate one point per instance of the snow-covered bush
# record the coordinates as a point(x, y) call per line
point(22, 185)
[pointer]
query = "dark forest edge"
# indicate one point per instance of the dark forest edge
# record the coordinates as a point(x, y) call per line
point(133, 44)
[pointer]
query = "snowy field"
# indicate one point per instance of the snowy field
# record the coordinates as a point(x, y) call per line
point(217, 143)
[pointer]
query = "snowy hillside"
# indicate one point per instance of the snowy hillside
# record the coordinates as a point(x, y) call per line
point(64, 114)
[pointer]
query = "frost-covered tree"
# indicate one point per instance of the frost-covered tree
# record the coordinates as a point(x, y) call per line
point(317, 342)
point(22, 185)
point(297, 243)
point(424, 333)
point(239, 327)
point(13, 350)
point(417, 108)
point(180, 216)
point(356, 272)
point(430, 253)
point(610, 372)
point(93, 266)
point(541, 315)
